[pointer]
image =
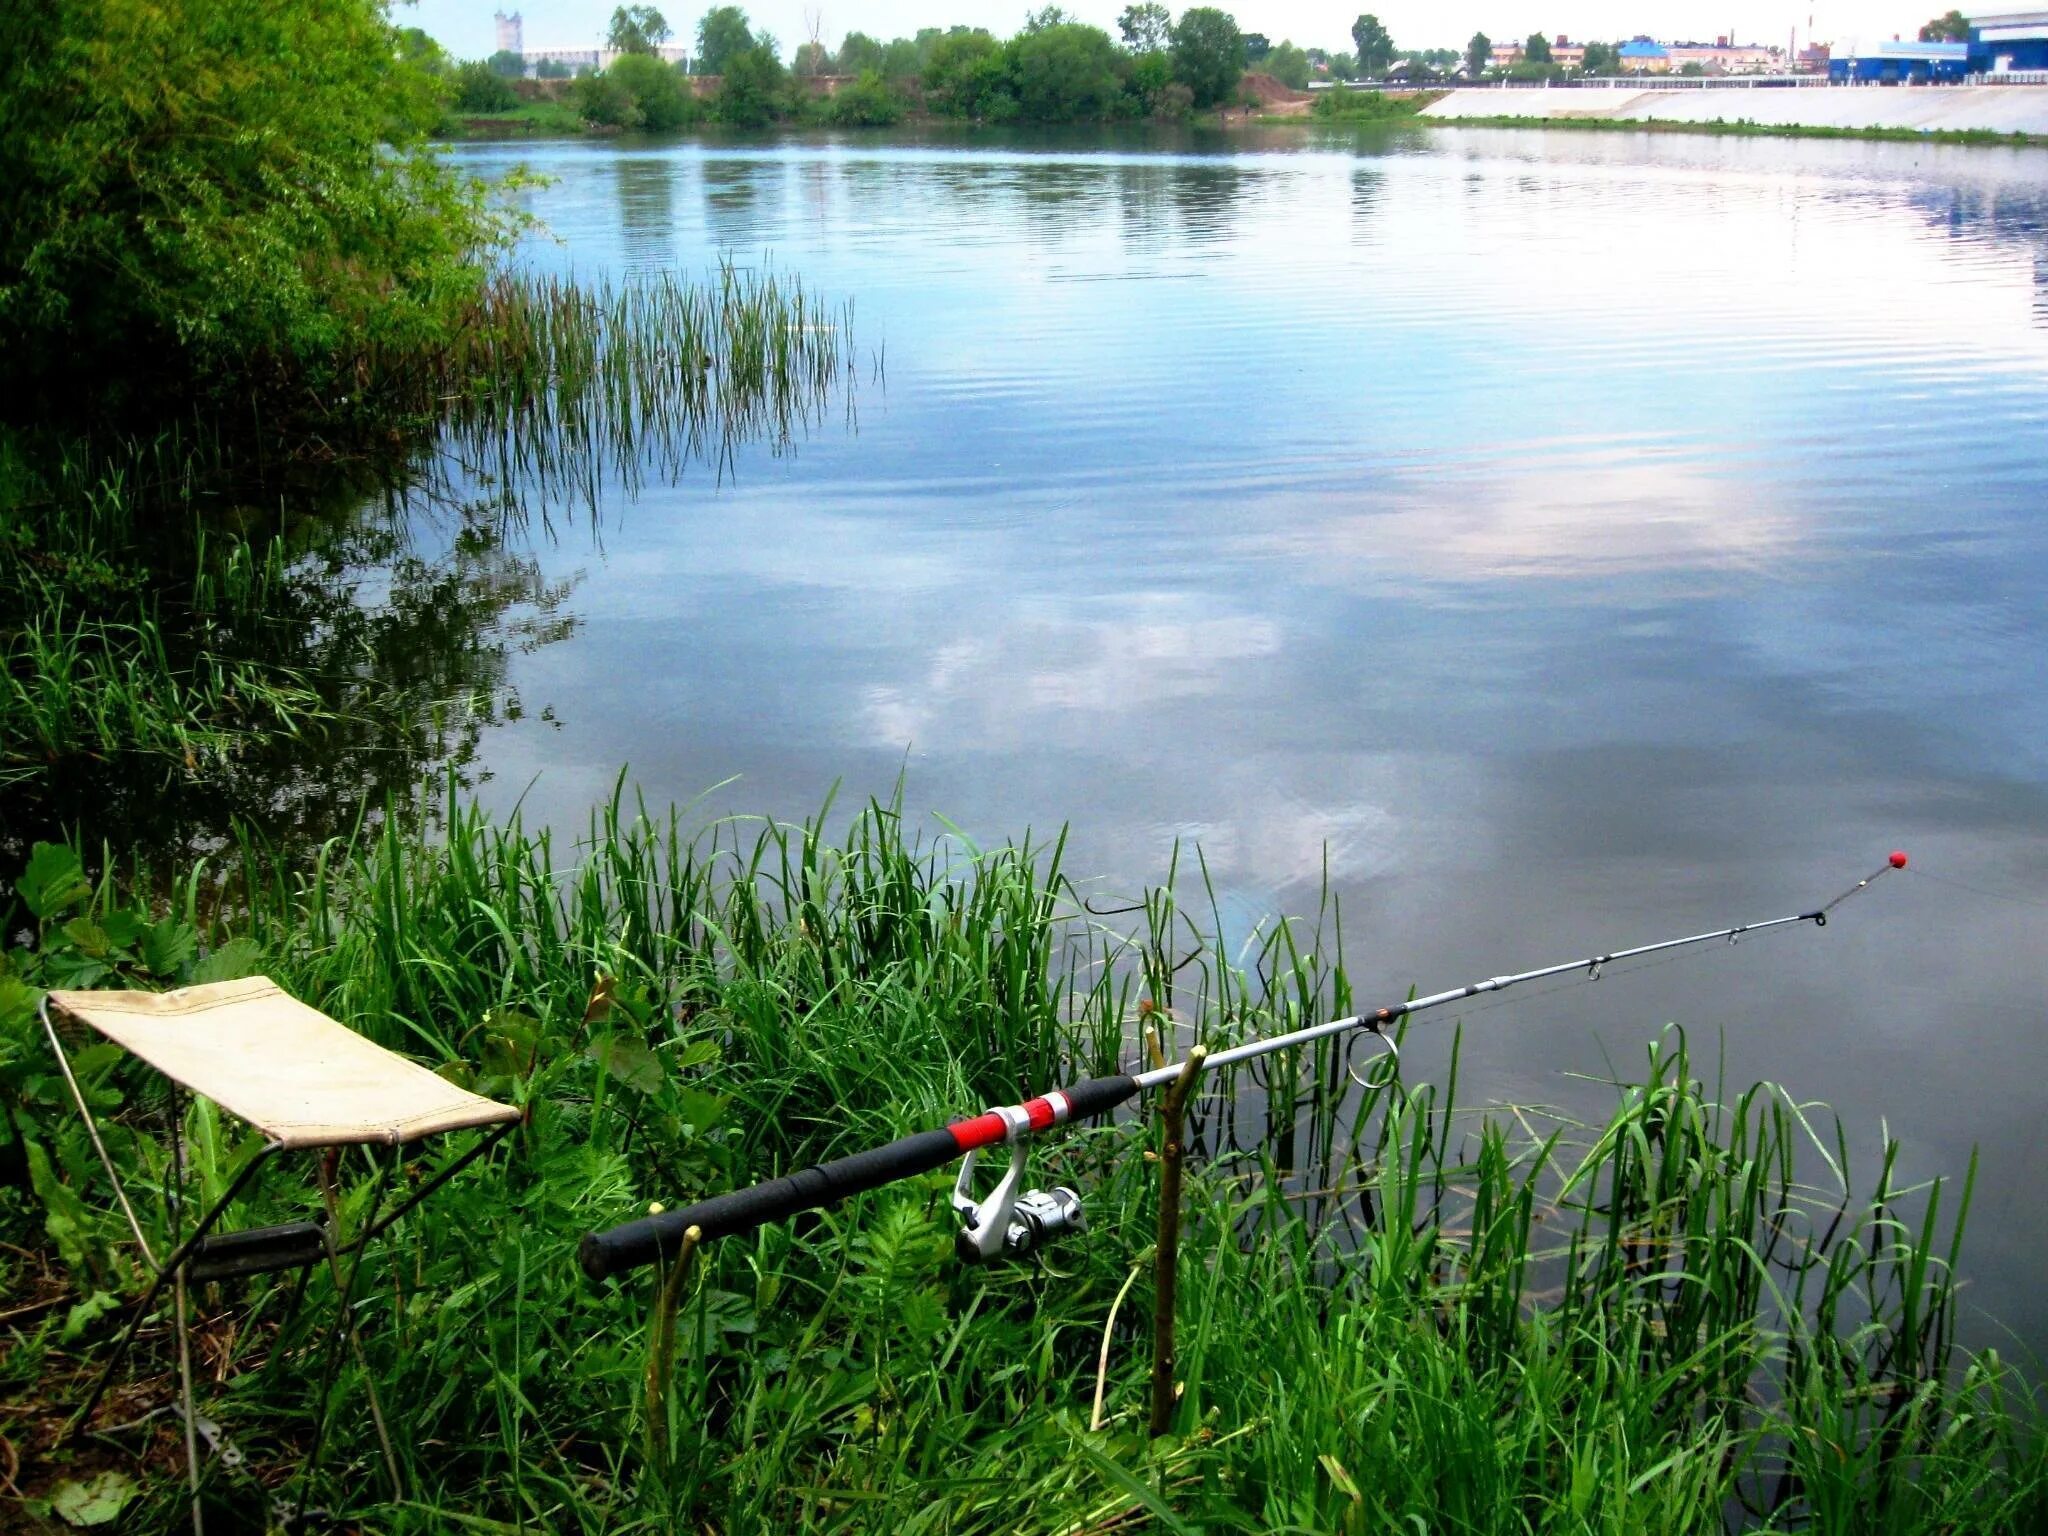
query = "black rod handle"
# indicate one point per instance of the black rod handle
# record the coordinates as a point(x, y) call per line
point(659, 1239)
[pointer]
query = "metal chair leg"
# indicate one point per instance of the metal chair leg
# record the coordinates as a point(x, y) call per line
point(343, 1325)
point(171, 1267)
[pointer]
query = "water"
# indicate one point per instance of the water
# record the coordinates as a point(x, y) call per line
point(1563, 541)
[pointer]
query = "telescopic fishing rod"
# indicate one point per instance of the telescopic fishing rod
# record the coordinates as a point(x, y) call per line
point(1013, 1223)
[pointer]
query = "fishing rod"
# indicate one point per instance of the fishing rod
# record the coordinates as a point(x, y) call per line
point(1011, 1223)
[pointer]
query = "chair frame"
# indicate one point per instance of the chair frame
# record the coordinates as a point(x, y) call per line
point(174, 1269)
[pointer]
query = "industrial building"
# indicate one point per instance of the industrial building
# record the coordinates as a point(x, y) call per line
point(2008, 42)
point(1902, 63)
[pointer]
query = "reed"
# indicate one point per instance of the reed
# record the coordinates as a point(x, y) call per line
point(1689, 1316)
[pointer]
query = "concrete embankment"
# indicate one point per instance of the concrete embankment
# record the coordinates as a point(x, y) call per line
point(1926, 109)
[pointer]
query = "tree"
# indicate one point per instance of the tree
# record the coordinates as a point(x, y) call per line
point(479, 88)
point(1044, 19)
point(1208, 54)
point(1537, 49)
point(660, 101)
point(1952, 28)
point(965, 73)
point(859, 54)
point(637, 29)
point(1478, 53)
point(1602, 59)
point(1065, 73)
point(1289, 65)
point(1146, 28)
point(507, 63)
point(1375, 46)
point(1343, 66)
point(810, 59)
point(754, 90)
point(236, 190)
point(722, 36)
point(1256, 46)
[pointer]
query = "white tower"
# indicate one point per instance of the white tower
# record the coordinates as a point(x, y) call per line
point(511, 33)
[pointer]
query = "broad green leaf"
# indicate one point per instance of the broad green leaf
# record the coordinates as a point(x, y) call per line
point(96, 1500)
point(124, 927)
point(229, 962)
point(167, 946)
point(630, 1061)
point(18, 1004)
point(700, 1110)
point(698, 1053)
point(54, 880)
point(89, 937)
point(509, 1042)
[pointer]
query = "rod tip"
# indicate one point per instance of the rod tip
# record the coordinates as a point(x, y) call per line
point(1898, 859)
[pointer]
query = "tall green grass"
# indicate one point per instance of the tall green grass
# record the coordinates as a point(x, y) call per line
point(1396, 1313)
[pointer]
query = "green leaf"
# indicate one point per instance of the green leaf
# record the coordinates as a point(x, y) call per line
point(167, 946)
point(509, 1041)
point(98, 1500)
point(698, 1109)
point(54, 880)
point(698, 1053)
point(229, 962)
point(89, 937)
point(124, 927)
point(64, 1214)
point(18, 1004)
point(84, 1314)
point(629, 1060)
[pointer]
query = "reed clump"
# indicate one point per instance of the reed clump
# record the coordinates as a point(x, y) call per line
point(180, 610)
point(1394, 1313)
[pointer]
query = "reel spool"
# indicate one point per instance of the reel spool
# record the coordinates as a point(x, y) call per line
point(1006, 1223)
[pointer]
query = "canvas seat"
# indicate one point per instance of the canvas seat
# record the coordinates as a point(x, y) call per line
point(302, 1079)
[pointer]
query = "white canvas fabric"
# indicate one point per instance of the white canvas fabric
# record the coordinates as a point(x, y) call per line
point(295, 1074)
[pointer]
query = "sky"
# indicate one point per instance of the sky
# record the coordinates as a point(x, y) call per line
point(464, 27)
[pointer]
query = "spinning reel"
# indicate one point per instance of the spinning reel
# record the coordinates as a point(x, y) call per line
point(1005, 1223)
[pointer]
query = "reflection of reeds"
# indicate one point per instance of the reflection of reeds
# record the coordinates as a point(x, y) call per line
point(561, 385)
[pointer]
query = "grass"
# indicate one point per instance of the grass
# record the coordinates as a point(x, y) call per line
point(1396, 1313)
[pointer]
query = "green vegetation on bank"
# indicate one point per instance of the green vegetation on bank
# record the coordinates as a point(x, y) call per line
point(1055, 70)
point(1395, 1313)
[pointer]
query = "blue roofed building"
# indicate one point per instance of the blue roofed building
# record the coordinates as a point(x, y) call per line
point(1644, 54)
point(2008, 42)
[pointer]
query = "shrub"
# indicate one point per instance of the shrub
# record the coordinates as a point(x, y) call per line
point(657, 90)
point(867, 103)
point(478, 88)
point(307, 230)
point(754, 91)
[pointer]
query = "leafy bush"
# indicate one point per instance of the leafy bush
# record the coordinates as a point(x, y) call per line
point(305, 231)
point(662, 102)
point(604, 100)
point(1341, 105)
point(1066, 73)
point(754, 90)
point(479, 88)
point(867, 103)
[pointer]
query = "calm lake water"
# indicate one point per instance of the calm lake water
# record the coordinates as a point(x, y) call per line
point(1566, 541)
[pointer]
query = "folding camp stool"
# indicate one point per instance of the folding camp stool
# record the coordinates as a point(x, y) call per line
point(305, 1081)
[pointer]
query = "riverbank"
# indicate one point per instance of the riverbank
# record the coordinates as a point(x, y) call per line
point(1964, 114)
point(1389, 1313)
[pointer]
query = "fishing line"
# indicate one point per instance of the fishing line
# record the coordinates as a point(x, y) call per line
point(1981, 890)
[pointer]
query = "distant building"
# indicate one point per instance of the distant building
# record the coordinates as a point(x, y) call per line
point(1813, 59)
point(1723, 56)
point(1902, 63)
point(2006, 41)
point(511, 33)
point(597, 60)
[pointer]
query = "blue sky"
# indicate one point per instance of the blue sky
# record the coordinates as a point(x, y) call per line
point(464, 26)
